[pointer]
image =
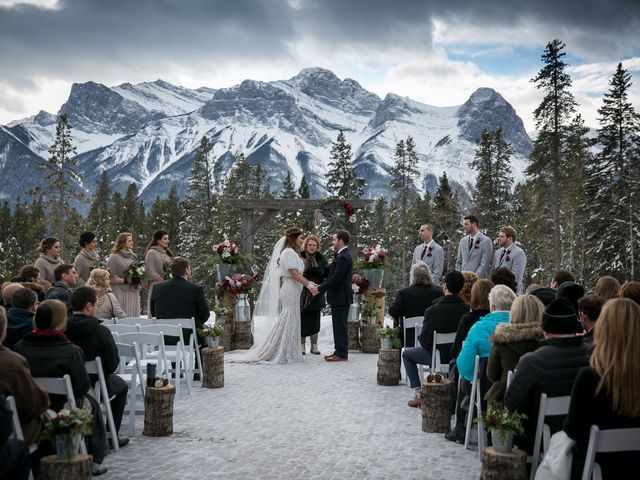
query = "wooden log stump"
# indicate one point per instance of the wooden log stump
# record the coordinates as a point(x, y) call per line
point(503, 466)
point(353, 336)
point(227, 339)
point(369, 339)
point(158, 411)
point(213, 366)
point(436, 406)
point(389, 367)
point(51, 468)
point(243, 336)
point(375, 296)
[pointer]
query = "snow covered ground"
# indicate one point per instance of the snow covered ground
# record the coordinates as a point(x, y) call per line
point(312, 420)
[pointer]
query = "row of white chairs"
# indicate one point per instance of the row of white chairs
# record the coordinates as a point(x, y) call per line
point(438, 339)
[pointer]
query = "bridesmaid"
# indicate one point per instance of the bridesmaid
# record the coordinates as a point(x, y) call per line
point(87, 257)
point(121, 258)
point(48, 260)
point(157, 260)
point(316, 269)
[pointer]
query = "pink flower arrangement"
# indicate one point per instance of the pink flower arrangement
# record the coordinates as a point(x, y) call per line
point(238, 283)
point(359, 284)
point(228, 252)
point(374, 257)
point(349, 212)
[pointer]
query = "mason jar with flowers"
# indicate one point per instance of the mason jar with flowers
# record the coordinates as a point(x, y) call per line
point(66, 429)
point(240, 284)
point(502, 424)
point(227, 259)
point(374, 262)
point(211, 334)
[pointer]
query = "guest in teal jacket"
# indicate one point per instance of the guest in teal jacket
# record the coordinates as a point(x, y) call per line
point(477, 342)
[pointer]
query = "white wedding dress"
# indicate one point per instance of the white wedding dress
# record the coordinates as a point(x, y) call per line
point(280, 312)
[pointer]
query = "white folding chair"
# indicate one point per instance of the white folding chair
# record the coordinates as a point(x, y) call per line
point(475, 403)
point(440, 339)
point(509, 378)
point(134, 321)
point(94, 367)
point(410, 322)
point(134, 378)
point(193, 348)
point(60, 386)
point(608, 441)
point(122, 328)
point(148, 343)
point(549, 407)
point(17, 428)
point(176, 354)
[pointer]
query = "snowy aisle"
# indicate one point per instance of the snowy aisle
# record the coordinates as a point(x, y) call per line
point(312, 420)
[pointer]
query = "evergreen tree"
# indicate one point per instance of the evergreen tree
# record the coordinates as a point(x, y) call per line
point(288, 190)
point(306, 218)
point(99, 219)
point(342, 179)
point(129, 216)
point(492, 196)
point(446, 214)
point(5, 222)
point(548, 167)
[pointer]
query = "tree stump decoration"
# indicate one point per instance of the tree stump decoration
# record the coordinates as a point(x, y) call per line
point(369, 338)
point(227, 300)
point(436, 406)
point(227, 339)
point(353, 336)
point(243, 336)
point(213, 366)
point(158, 411)
point(375, 296)
point(503, 466)
point(389, 367)
point(79, 468)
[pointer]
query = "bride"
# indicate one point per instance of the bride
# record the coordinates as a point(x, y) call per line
point(276, 317)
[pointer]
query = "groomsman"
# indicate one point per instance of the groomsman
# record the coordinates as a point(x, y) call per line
point(429, 252)
point(475, 250)
point(510, 256)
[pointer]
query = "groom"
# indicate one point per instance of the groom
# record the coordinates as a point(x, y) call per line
point(339, 294)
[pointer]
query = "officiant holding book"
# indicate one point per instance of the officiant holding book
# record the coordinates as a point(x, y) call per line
point(316, 269)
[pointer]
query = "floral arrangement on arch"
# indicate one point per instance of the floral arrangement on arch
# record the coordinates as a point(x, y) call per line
point(349, 212)
point(374, 257)
point(359, 284)
point(238, 283)
point(228, 252)
point(135, 274)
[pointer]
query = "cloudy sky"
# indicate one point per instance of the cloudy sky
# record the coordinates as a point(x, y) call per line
point(434, 51)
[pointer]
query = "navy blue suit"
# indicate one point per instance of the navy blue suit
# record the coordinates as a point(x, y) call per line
point(340, 297)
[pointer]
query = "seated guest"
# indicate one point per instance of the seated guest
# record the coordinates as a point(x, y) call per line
point(589, 309)
point(95, 340)
point(470, 278)
point(20, 316)
point(631, 290)
point(511, 340)
point(443, 317)
point(572, 292)
point(607, 287)
point(108, 305)
point(65, 276)
point(550, 369)
point(504, 276)
point(606, 392)
point(477, 342)
point(16, 380)
point(8, 289)
point(548, 294)
point(30, 278)
point(415, 299)
point(179, 298)
point(561, 276)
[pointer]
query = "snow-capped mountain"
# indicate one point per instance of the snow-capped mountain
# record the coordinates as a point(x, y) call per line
point(148, 133)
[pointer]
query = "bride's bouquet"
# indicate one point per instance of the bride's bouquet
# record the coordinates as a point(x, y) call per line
point(374, 257)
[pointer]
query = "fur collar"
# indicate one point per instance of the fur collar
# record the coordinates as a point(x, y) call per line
point(516, 332)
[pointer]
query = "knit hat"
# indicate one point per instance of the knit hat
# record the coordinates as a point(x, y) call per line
point(559, 317)
point(572, 292)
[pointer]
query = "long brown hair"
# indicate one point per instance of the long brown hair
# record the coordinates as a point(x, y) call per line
point(480, 294)
point(607, 287)
point(156, 236)
point(470, 278)
point(615, 355)
point(120, 242)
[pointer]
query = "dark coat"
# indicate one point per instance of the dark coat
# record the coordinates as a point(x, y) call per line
point(338, 284)
point(466, 322)
point(550, 369)
point(442, 317)
point(179, 298)
point(94, 339)
point(59, 291)
point(588, 408)
point(510, 341)
point(19, 323)
point(317, 275)
point(55, 356)
point(413, 300)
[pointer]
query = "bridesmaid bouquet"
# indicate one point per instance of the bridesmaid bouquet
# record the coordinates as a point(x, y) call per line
point(134, 275)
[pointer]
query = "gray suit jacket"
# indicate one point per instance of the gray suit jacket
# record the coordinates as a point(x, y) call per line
point(515, 260)
point(434, 259)
point(478, 258)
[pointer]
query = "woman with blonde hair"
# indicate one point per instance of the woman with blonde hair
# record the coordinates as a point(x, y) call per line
point(511, 340)
point(316, 269)
point(607, 392)
point(108, 305)
point(470, 278)
point(607, 287)
point(119, 261)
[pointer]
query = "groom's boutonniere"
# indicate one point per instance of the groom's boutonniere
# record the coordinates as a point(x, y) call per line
point(507, 257)
point(477, 245)
point(429, 249)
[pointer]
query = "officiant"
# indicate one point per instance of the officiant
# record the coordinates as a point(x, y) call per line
point(316, 269)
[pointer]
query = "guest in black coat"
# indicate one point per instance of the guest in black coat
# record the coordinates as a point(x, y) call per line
point(316, 269)
point(20, 316)
point(95, 340)
point(413, 300)
point(179, 298)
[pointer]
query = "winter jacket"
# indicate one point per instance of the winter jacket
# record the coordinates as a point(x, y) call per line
point(466, 322)
point(47, 266)
point(54, 355)
point(442, 317)
point(83, 263)
point(510, 341)
point(550, 369)
point(94, 339)
point(19, 323)
point(317, 275)
point(60, 291)
point(477, 342)
point(412, 301)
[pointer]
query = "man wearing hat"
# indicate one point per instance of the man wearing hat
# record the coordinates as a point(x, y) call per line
point(550, 369)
